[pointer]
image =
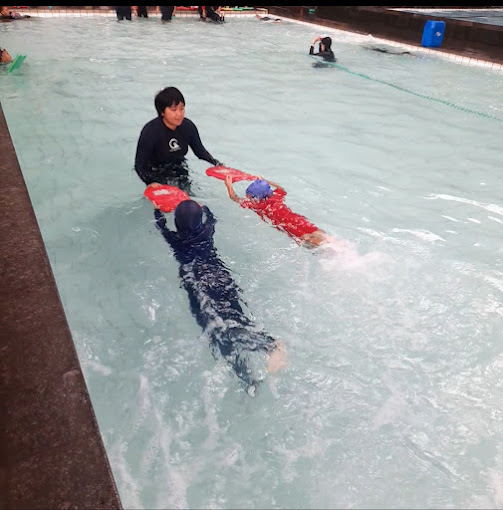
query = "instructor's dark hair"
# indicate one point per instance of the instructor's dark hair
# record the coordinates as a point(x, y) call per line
point(168, 97)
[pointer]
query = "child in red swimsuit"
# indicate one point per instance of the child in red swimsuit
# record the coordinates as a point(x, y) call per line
point(269, 204)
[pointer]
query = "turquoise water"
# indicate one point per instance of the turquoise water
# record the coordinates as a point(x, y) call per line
point(392, 397)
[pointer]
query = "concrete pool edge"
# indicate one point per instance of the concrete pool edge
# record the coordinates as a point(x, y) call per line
point(53, 454)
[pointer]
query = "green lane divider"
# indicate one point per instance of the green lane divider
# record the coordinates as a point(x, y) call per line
point(423, 96)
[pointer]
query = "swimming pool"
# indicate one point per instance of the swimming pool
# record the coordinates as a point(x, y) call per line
point(392, 394)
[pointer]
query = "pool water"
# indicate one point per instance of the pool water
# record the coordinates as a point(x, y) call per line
point(392, 395)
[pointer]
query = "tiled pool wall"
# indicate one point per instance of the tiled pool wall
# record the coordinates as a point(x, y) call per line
point(52, 451)
point(466, 42)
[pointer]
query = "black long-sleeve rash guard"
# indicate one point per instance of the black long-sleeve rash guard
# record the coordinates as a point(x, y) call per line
point(159, 145)
point(328, 55)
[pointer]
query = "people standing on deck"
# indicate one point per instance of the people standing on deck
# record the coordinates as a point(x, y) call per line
point(214, 13)
point(141, 11)
point(325, 49)
point(215, 298)
point(167, 12)
point(123, 11)
point(164, 142)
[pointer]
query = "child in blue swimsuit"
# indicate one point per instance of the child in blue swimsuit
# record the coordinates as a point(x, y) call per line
point(215, 299)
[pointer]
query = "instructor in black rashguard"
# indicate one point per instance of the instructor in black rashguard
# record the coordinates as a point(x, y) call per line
point(164, 142)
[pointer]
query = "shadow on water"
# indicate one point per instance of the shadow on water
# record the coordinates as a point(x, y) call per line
point(321, 65)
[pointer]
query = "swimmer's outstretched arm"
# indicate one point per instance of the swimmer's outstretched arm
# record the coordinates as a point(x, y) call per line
point(275, 184)
point(160, 219)
point(210, 218)
point(311, 49)
point(230, 189)
point(161, 225)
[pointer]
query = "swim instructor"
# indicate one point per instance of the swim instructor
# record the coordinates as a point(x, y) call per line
point(164, 142)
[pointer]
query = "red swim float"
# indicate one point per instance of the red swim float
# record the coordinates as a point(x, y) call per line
point(221, 172)
point(166, 197)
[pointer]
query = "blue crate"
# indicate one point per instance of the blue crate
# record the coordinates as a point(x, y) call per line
point(433, 34)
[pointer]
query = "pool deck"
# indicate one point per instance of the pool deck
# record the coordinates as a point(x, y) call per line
point(52, 453)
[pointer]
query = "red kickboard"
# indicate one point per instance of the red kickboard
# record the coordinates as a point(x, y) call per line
point(166, 197)
point(221, 172)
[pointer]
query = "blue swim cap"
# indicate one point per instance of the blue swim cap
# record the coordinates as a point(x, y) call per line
point(259, 189)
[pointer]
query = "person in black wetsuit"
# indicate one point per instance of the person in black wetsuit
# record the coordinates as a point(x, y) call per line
point(386, 50)
point(213, 14)
point(325, 49)
point(166, 12)
point(164, 142)
point(123, 11)
point(215, 299)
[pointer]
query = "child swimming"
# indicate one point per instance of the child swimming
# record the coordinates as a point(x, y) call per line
point(269, 204)
point(215, 299)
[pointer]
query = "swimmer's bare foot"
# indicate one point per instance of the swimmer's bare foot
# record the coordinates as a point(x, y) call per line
point(277, 359)
point(314, 239)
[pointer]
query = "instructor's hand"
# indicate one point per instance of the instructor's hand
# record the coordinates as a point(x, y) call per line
point(154, 185)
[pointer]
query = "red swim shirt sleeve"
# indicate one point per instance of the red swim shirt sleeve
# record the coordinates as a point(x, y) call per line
point(247, 204)
point(279, 193)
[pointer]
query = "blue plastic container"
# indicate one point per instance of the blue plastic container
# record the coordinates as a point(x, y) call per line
point(433, 34)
